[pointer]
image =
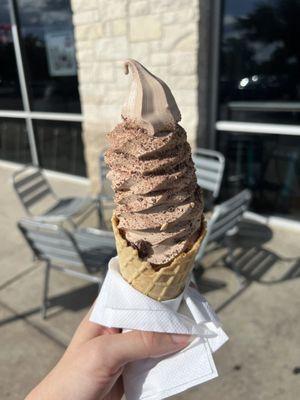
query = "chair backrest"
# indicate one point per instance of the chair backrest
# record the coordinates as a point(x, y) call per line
point(225, 218)
point(103, 169)
point(31, 187)
point(106, 193)
point(51, 243)
point(209, 166)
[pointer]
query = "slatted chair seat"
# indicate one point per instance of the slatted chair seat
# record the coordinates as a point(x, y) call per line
point(67, 208)
point(95, 247)
point(40, 201)
point(224, 219)
point(222, 225)
point(81, 253)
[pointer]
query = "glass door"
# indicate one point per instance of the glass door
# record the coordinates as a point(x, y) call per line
point(39, 99)
point(258, 122)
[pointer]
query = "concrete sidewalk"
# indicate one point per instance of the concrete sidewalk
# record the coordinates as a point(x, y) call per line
point(262, 321)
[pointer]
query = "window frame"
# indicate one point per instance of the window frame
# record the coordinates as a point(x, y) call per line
point(216, 125)
point(27, 114)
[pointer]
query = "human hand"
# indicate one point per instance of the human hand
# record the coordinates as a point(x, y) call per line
point(92, 365)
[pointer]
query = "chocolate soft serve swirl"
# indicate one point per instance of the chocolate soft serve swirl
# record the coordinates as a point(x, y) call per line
point(158, 202)
point(150, 101)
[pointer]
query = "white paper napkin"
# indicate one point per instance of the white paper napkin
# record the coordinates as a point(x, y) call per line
point(119, 305)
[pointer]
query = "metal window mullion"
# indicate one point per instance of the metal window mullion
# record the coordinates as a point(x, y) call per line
point(257, 128)
point(22, 80)
point(48, 116)
point(269, 106)
point(214, 58)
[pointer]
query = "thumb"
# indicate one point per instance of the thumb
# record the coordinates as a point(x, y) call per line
point(136, 345)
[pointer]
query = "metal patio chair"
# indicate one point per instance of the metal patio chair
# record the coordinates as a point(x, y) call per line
point(82, 253)
point(40, 201)
point(209, 165)
point(222, 225)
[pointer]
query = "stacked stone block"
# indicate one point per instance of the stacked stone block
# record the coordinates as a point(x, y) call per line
point(161, 34)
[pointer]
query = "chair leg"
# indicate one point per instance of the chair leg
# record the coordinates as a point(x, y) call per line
point(84, 216)
point(101, 219)
point(45, 291)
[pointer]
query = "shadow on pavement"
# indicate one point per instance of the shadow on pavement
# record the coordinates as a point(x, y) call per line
point(253, 233)
point(249, 260)
point(74, 300)
point(264, 266)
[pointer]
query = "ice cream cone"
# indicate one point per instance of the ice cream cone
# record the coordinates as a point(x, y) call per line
point(163, 283)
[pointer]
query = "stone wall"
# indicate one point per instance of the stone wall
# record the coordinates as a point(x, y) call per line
point(161, 34)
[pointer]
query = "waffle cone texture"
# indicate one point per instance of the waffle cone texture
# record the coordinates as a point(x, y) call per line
point(160, 284)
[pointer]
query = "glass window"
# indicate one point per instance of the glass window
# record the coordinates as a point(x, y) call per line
point(46, 32)
point(60, 146)
point(269, 165)
point(14, 144)
point(10, 94)
point(260, 61)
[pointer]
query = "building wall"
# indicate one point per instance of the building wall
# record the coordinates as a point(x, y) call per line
point(161, 34)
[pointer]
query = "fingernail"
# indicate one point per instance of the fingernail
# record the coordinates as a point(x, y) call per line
point(182, 339)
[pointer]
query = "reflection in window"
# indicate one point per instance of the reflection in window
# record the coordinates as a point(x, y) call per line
point(14, 144)
point(47, 36)
point(260, 61)
point(60, 146)
point(269, 165)
point(10, 95)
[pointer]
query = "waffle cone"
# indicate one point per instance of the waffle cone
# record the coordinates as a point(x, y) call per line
point(163, 283)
